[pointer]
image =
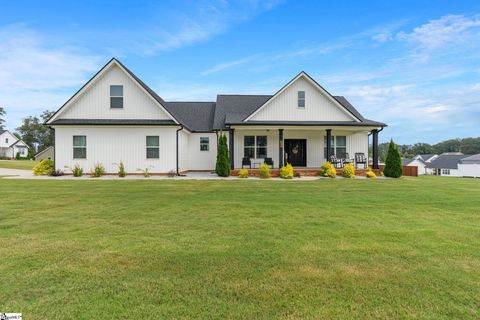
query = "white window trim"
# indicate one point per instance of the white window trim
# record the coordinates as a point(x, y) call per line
point(334, 145)
point(304, 100)
point(122, 96)
point(79, 147)
point(152, 147)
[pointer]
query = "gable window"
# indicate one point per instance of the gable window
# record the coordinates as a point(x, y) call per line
point(204, 143)
point(153, 147)
point(79, 147)
point(116, 97)
point(255, 147)
point(301, 99)
point(6, 140)
point(338, 147)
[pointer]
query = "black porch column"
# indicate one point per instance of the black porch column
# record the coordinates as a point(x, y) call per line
point(329, 144)
point(230, 143)
point(375, 149)
point(280, 148)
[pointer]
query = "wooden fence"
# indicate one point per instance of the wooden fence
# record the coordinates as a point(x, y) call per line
point(410, 171)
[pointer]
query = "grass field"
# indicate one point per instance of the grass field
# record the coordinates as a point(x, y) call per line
point(327, 249)
point(18, 164)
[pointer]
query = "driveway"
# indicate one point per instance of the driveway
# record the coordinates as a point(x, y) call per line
point(16, 173)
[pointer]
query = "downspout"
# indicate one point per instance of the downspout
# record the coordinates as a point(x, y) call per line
point(178, 169)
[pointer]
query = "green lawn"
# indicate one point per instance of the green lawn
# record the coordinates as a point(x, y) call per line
point(18, 164)
point(341, 249)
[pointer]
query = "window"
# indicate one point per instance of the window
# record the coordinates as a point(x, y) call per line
point(301, 99)
point(446, 172)
point(204, 143)
point(79, 147)
point(116, 97)
point(255, 147)
point(153, 147)
point(338, 146)
point(6, 140)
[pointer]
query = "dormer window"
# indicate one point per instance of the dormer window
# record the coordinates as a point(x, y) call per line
point(301, 99)
point(116, 97)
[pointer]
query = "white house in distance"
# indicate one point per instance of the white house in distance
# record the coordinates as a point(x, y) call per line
point(420, 161)
point(115, 116)
point(10, 146)
point(446, 164)
point(470, 166)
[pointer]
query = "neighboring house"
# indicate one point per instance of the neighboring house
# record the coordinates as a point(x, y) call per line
point(48, 153)
point(470, 166)
point(426, 158)
point(115, 116)
point(10, 145)
point(446, 164)
point(415, 162)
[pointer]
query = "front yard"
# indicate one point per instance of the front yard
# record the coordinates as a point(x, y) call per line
point(18, 164)
point(322, 249)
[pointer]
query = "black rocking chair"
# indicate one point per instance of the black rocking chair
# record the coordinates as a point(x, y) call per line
point(268, 162)
point(337, 163)
point(360, 159)
point(347, 160)
point(246, 162)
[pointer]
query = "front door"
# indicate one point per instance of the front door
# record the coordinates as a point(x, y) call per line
point(296, 152)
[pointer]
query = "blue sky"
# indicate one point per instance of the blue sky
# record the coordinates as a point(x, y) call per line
point(412, 64)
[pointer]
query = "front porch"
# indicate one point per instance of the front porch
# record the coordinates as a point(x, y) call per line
point(307, 148)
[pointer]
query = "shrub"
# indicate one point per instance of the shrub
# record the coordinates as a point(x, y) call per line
point(172, 173)
point(146, 171)
point(97, 171)
point(56, 173)
point(393, 164)
point(43, 167)
point(17, 156)
point(370, 174)
point(328, 170)
point(222, 166)
point(243, 173)
point(286, 172)
point(264, 171)
point(121, 169)
point(77, 171)
point(348, 171)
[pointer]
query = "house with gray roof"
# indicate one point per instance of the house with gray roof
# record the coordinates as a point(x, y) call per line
point(10, 146)
point(470, 166)
point(446, 164)
point(116, 117)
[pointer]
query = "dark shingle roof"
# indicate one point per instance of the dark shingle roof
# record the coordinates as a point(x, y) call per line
point(133, 122)
point(425, 157)
point(471, 159)
point(237, 107)
point(446, 161)
point(195, 116)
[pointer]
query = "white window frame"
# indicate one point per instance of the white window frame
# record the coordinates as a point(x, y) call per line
point(334, 145)
point(79, 147)
point(157, 147)
point(299, 99)
point(116, 96)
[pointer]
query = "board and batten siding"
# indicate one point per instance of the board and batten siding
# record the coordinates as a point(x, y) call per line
point(109, 145)
point(182, 151)
point(469, 170)
point(357, 142)
point(94, 103)
point(202, 160)
point(318, 107)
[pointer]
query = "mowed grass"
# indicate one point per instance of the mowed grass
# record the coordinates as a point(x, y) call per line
point(327, 249)
point(18, 164)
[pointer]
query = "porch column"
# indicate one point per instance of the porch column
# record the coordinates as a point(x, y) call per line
point(230, 143)
point(329, 143)
point(280, 148)
point(375, 148)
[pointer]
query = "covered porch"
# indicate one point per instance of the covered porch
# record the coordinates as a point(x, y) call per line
point(305, 147)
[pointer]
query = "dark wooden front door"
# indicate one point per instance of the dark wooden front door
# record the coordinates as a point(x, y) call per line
point(296, 152)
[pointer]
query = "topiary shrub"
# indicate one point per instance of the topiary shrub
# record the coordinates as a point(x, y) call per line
point(222, 166)
point(286, 172)
point(43, 167)
point(243, 173)
point(393, 164)
point(97, 171)
point(264, 171)
point(348, 171)
point(370, 174)
point(328, 170)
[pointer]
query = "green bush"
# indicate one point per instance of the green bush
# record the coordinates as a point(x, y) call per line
point(286, 172)
point(243, 173)
point(121, 169)
point(348, 171)
point(17, 156)
point(43, 167)
point(222, 166)
point(393, 164)
point(264, 171)
point(77, 171)
point(328, 170)
point(97, 171)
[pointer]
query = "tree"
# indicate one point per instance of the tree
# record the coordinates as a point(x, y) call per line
point(35, 134)
point(2, 113)
point(222, 167)
point(393, 164)
point(46, 136)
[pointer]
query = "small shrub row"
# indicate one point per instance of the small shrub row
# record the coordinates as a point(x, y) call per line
point(328, 170)
point(286, 172)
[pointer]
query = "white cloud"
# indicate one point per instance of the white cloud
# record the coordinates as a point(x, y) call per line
point(35, 75)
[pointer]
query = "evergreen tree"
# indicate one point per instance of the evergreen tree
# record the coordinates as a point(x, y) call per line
point(222, 167)
point(393, 164)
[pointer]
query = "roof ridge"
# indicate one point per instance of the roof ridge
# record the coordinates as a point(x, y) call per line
point(190, 101)
point(257, 95)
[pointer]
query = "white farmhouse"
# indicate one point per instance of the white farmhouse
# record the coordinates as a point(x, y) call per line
point(116, 117)
point(10, 146)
